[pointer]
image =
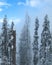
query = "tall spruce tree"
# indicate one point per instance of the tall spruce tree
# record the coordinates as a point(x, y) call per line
point(45, 43)
point(35, 44)
point(4, 41)
point(25, 44)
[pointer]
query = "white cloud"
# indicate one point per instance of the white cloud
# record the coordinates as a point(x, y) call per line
point(1, 9)
point(10, 20)
point(20, 3)
point(1, 20)
point(35, 3)
point(32, 3)
point(16, 20)
point(4, 4)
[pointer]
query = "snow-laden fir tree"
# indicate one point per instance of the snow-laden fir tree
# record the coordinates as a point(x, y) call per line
point(7, 44)
point(25, 44)
point(4, 41)
point(35, 43)
point(45, 46)
point(0, 50)
point(10, 44)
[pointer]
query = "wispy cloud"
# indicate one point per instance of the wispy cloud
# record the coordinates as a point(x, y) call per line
point(1, 9)
point(4, 4)
point(32, 3)
point(15, 20)
point(1, 20)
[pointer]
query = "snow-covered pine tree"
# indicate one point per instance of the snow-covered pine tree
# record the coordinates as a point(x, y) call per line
point(0, 50)
point(4, 41)
point(10, 45)
point(35, 43)
point(7, 44)
point(45, 43)
point(25, 44)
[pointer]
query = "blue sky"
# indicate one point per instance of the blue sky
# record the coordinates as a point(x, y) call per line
point(18, 8)
point(16, 11)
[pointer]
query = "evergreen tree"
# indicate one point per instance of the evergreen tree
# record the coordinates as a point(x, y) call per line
point(25, 44)
point(4, 41)
point(0, 50)
point(35, 44)
point(7, 42)
point(10, 45)
point(45, 43)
